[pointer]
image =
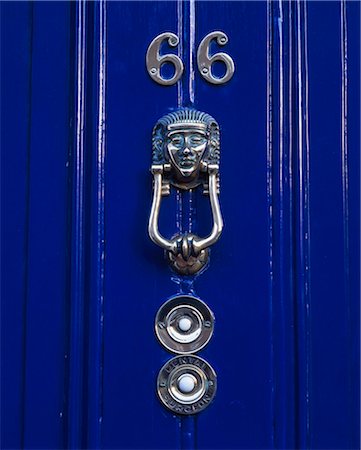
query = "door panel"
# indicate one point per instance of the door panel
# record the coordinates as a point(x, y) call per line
point(236, 285)
point(134, 275)
point(36, 99)
point(82, 281)
point(334, 208)
point(13, 247)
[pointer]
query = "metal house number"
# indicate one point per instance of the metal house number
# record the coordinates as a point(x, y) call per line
point(154, 59)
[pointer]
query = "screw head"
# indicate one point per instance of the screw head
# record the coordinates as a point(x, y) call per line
point(153, 70)
point(205, 70)
point(207, 323)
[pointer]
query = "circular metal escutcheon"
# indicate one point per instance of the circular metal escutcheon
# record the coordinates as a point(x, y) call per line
point(186, 384)
point(184, 324)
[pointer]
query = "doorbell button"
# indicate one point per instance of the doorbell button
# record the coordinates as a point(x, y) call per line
point(184, 324)
point(186, 384)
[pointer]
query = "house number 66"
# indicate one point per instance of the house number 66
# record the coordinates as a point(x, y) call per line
point(205, 60)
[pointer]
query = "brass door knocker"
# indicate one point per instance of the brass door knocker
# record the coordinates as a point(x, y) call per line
point(186, 153)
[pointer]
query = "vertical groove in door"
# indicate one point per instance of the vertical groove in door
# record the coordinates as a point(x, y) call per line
point(26, 231)
point(344, 141)
point(345, 212)
point(281, 220)
point(269, 198)
point(186, 13)
point(289, 222)
point(303, 296)
point(77, 277)
point(186, 20)
point(289, 266)
point(96, 297)
point(344, 144)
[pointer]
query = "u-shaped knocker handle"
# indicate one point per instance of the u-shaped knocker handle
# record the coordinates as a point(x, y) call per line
point(186, 155)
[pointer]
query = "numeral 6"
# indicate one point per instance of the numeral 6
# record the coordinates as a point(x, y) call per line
point(155, 60)
point(205, 60)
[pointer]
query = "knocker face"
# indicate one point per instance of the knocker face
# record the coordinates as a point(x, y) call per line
point(185, 142)
point(186, 149)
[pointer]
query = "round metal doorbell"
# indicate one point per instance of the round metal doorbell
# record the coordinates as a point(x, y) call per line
point(186, 384)
point(184, 324)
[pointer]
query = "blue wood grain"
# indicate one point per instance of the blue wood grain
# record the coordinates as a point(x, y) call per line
point(137, 279)
point(236, 285)
point(186, 19)
point(45, 331)
point(16, 40)
point(281, 198)
point(305, 423)
point(334, 200)
point(95, 361)
point(76, 382)
point(301, 173)
point(350, 15)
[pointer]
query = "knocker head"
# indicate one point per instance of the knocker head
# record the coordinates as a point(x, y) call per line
point(186, 138)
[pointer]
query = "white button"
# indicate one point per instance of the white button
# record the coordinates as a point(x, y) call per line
point(185, 324)
point(186, 383)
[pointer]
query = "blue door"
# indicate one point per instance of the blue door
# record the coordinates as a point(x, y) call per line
point(82, 282)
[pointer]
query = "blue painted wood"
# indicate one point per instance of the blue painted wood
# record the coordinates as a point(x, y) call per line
point(83, 282)
point(16, 26)
point(281, 200)
point(97, 238)
point(76, 422)
point(87, 276)
point(350, 26)
point(36, 116)
point(302, 263)
point(137, 280)
point(334, 199)
point(45, 338)
point(186, 206)
point(236, 286)
point(312, 420)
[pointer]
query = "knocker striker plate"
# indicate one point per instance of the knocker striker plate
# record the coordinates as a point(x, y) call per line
point(186, 154)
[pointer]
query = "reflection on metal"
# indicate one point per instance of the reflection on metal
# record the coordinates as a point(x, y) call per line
point(155, 60)
point(186, 153)
point(205, 60)
point(184, 324)
point(186, 384)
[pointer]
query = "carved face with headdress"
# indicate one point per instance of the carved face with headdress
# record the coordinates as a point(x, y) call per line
point(186, 138)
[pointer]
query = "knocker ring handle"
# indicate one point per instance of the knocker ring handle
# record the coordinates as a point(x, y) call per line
point(186, 155)
point(153, 230)
point(198, 243)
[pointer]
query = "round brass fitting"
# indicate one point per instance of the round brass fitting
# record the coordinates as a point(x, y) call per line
point(186, 384)
point(184, 324)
